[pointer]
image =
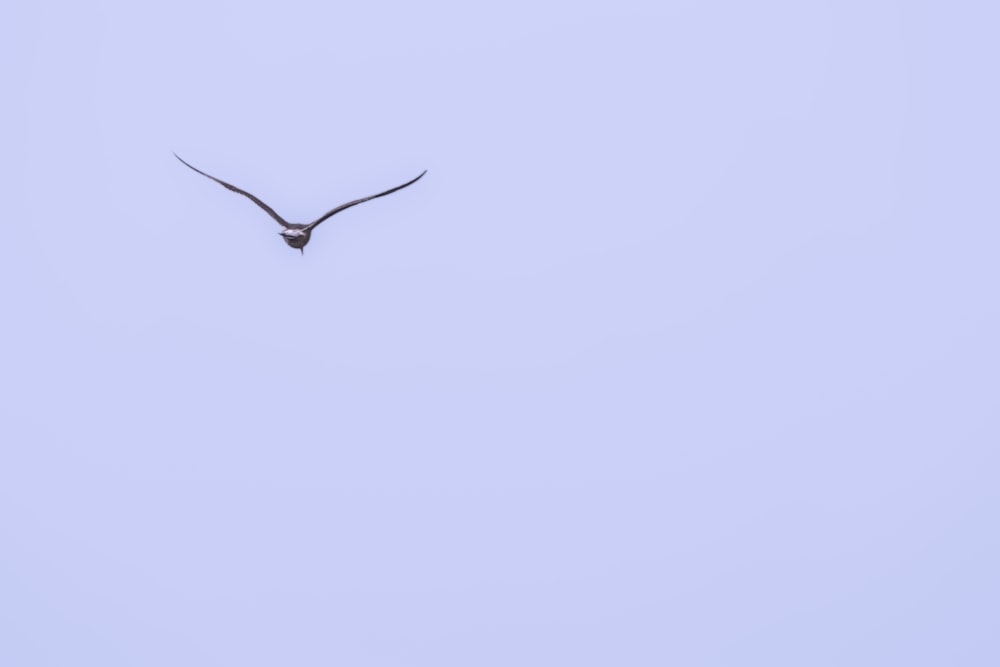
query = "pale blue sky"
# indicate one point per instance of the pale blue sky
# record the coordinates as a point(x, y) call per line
point(684, 352)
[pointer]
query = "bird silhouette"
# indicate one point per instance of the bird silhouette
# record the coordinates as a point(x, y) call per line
point(297, 235)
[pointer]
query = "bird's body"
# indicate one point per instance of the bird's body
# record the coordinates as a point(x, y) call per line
point(297, 235)
point(296, 238)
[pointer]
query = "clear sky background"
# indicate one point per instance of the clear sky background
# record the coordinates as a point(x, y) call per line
point(684, 352)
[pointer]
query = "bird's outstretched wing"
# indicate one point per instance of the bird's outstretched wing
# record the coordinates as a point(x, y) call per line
point(361, 201)
point(270, 211)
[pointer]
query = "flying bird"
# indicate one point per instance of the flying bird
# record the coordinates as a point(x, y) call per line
point(297, 235)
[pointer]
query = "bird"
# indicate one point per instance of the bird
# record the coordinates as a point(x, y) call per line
point(297, 235)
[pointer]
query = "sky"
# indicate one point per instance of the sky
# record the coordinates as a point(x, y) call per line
point(683, 352)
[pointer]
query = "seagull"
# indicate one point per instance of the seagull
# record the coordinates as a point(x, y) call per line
point(297, 235)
